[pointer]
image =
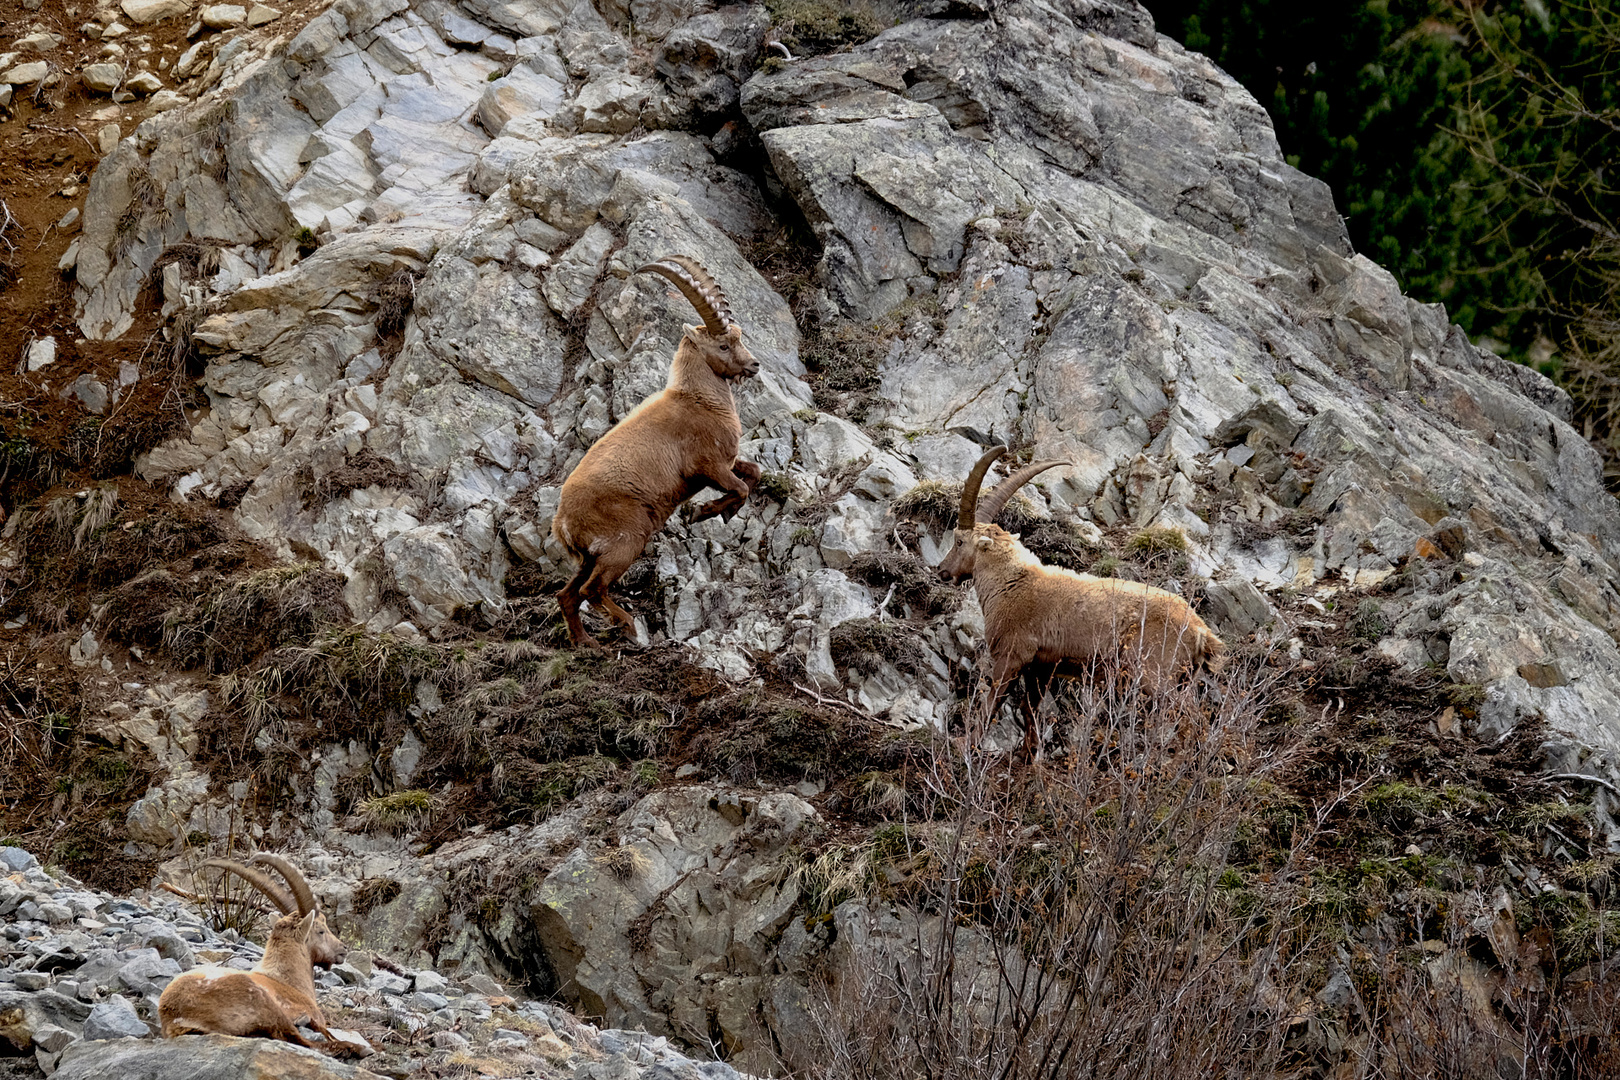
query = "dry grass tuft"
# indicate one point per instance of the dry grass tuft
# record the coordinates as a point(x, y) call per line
point(401, 811)
point(624, 862)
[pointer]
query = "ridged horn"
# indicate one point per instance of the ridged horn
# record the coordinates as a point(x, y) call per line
point(970, 490)
point(295, 881)
point(996, 501)
point(697, 286)
point(275, 893)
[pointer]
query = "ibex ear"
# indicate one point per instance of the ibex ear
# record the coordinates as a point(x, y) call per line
point(692, 333)
point(984, 543)
point(306, 927)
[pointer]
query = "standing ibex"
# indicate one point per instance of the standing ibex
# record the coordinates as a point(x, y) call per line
point(1041, 621)
point(279, 993)
point(673, 445)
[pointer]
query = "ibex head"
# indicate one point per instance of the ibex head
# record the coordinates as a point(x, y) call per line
point(304, 916)
point(718, 340)
point(974, 533)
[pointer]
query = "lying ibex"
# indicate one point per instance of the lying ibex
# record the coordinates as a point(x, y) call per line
point(279, 993)
point(1041, 621)
point(673, 445)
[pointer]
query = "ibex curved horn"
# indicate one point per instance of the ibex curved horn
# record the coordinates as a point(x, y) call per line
point(966, 515)
point(273, 892)
point(997, 499)
point(698, 287)
point(295, 881)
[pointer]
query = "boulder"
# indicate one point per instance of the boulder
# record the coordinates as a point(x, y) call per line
point(144, 82)
point(141, 12)
point(519, 93)
point(202, 1057)
point(222, 16)
point(102, 78)
point(115, 1019)
point(25, 74)
point(23, 1014)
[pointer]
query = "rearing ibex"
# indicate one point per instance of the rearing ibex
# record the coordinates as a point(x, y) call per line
point(279, 993)
point(673, 445)
point(1041, 621)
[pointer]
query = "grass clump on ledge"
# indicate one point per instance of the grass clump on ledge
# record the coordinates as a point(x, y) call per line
point(932, 503)
point(1156, 541)
point(813, 27)
point(401, 811)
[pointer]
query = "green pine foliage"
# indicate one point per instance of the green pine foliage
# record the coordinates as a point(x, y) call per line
point(1453, 169)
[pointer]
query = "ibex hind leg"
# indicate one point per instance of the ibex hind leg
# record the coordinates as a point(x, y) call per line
point(610, 566)
point(568, 600)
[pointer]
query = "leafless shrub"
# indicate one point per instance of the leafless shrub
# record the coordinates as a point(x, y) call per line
point(1084, 918)
point(26, 732)
point(225, 901)
point(395, 295)
point(1592, 357)
point(196, 259)
point(145, 199)
point(1081, 919)
point(9, 228)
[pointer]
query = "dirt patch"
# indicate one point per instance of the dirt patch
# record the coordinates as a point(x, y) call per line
point(54, 426)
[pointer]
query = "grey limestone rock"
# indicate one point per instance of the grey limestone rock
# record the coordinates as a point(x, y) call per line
point(115, 1019)
point(203, 1057)
point(103, 78)
point(24, 1013)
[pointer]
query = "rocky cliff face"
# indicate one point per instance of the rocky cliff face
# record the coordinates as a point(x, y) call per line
point(1041, 223)
point(402, 242)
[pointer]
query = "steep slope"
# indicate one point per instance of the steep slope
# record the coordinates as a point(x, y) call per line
point(398, 247)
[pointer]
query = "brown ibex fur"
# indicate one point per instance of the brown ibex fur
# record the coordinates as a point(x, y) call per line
point(1044, 621)
point(678, 442)
point(279, 993)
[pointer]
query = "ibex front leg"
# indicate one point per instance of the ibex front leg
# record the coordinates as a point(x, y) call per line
point(736, 481)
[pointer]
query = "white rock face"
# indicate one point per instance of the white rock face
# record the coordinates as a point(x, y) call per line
point(520, 93)
point(41, 353)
